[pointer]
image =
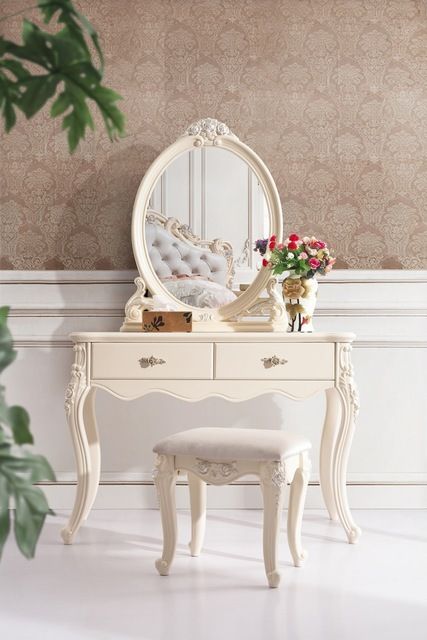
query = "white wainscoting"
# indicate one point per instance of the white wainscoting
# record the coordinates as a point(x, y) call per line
point(387, 310)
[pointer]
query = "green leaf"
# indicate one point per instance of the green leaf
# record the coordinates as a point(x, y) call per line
point(82, 81)
point(19, 468)
point(38, 90)
point(9, 116)
point(7, 353)
point(31, 508)
point(39, 468)
point(19, 421)
point(16, 68)
point(4, 512)
point(76, 22)
point(65, 57)
point(38, 45)
point(60, 105)
point(26, 467)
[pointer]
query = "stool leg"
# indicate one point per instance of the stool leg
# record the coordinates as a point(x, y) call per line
point(272, 481)
point(296, 509)
point(164, 479)
point(198, 512)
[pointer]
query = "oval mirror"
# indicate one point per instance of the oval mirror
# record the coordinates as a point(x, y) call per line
point(198, 211)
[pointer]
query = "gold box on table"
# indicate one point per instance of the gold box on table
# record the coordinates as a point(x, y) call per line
point(167, 321)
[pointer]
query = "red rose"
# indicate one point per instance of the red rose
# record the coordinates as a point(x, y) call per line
point(272, 245)
point(293, 237)
point(292, 245)
point(273, 238)
point(314, 263)
point(264, 262)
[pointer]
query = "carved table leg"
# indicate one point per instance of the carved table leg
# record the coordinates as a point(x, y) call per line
point(89, 421)
point(347, 396)
point(296, 509)
point(198, 512)
point(272, 481)
point(164, 479)
point(79, 407)
point(327, 448)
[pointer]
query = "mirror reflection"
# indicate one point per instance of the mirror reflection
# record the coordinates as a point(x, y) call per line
point(205, 213)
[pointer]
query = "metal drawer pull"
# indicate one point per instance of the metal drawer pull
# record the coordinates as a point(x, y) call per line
point(273, 361)
point(151, 362)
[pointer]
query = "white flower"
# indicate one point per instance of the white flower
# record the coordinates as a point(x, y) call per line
point(290, 256)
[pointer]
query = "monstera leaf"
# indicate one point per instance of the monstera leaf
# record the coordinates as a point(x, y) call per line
point(19, 467)
point(65, 69)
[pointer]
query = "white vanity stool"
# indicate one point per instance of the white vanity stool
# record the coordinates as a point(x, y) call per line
point(219, 456)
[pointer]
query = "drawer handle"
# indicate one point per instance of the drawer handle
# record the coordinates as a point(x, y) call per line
point(151, 362)
point(273, 361)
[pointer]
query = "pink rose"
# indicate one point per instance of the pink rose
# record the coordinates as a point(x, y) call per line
point(317, 244)
point(303, 255)
point(314, 263)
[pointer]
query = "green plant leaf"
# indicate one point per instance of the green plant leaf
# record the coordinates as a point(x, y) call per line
point(26, 467)
point(19, 422)
point(60, 105)
point(39, 468)
point(76, 22)
point(66, 59)
point(19, 468)
point(7, 353)
point(4, 513)
point(82, 81)
point(38, 90)
point(16, 68)
point(31, 508)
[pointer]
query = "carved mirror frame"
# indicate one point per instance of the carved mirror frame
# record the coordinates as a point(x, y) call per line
point(250, 311)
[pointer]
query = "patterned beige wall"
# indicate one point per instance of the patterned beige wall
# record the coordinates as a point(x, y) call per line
point(331, 93)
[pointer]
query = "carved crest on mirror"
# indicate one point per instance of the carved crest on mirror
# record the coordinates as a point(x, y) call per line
point(222, 197)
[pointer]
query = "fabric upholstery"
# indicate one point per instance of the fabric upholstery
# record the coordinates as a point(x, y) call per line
point(173, 257)
point(200, 293)
point(227, 444)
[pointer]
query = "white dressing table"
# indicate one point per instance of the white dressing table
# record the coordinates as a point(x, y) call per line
point(239, 348)
point(235, 366)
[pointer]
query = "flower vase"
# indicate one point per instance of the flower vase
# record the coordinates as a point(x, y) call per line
point(300, 295)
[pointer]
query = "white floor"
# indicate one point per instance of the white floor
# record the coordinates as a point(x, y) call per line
point(105, 585)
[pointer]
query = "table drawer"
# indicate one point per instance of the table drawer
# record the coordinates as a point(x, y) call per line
point(299, 361)
point(152, 361)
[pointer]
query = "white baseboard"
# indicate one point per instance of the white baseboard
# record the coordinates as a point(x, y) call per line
point(137, 496)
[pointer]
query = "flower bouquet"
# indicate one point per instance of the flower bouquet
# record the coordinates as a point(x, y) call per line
point(301, 259)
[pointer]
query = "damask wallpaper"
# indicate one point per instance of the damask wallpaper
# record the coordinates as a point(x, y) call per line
point(331, 93)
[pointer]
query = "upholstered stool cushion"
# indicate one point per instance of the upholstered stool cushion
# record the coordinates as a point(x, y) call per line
point(226, 444)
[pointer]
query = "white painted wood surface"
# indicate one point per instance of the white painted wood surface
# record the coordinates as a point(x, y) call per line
point(386, 309)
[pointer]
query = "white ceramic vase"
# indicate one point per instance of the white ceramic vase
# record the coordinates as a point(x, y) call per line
point(300, 296)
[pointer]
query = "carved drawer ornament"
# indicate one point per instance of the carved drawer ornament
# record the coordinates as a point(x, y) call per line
point(216, 470)
point(152, 361)
point(273, 361)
